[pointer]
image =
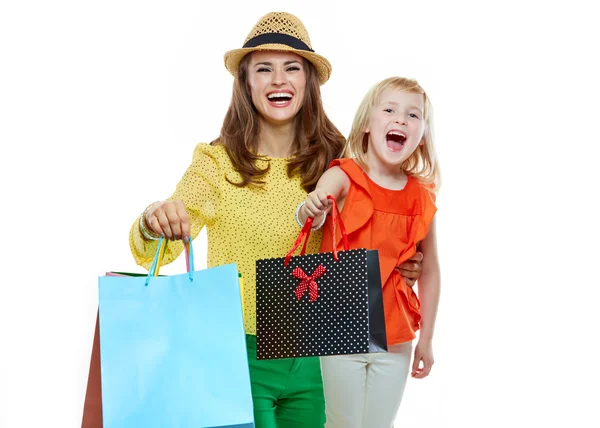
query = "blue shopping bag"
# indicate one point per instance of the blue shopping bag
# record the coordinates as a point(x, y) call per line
point(173, 350)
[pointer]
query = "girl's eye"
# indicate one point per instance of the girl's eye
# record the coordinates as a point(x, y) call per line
point(388, 110)
point(413, 115)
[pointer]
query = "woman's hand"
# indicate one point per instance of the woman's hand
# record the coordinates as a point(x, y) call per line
point(411, 269)
point(169, 219)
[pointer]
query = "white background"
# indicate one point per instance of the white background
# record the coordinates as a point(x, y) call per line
point(102, 103)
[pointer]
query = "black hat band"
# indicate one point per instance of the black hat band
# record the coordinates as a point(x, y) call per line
point(277, 38)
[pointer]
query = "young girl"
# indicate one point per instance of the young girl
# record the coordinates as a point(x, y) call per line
point(385, 194)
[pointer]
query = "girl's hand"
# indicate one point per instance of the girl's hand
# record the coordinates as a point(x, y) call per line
point(411, 269)
point(424, 355)
point(169, 219)
point(316, 203)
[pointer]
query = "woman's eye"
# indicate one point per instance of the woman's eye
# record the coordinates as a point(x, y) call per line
point(262, 70)
point(294, 68)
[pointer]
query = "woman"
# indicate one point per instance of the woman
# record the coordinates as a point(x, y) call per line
point(275, 142)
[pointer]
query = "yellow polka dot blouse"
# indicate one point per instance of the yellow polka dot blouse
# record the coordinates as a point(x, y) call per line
point(243, 224)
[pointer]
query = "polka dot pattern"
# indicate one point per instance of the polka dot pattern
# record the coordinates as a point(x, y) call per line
point(243, 224)
point(336, 323)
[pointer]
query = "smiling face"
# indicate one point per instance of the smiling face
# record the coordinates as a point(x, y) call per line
point(277, 82)
point(395, 127)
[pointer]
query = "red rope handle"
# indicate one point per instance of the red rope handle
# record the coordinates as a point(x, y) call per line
point(305, 233)
point(337, 219)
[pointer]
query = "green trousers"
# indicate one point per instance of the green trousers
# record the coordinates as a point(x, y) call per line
point(287, 393)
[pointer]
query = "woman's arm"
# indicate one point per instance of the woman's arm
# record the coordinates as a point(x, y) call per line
point(184, 213)
point(411, 268)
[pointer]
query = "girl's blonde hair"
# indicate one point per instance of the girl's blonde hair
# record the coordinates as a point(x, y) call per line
point(422, 163)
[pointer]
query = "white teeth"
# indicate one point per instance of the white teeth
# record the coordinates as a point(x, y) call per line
point(280, 95)
point(397, 133)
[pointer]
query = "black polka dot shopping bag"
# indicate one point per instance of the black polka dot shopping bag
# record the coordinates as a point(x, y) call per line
point(319, 304)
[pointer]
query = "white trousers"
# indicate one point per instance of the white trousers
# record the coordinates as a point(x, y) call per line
point(365, 390)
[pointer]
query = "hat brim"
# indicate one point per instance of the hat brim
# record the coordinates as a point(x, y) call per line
point(232, 58)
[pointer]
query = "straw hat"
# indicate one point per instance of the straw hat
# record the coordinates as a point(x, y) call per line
point(279, 31)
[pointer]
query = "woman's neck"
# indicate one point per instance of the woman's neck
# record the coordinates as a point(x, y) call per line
point(276, 141)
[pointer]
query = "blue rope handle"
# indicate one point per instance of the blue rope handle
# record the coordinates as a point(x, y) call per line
point(189, 250)
point(152, 269)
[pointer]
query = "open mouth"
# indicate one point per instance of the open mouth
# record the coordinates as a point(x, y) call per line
point(280, 98)
point(395, 140)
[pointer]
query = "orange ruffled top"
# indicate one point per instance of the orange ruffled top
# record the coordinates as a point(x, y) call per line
point(392, 222)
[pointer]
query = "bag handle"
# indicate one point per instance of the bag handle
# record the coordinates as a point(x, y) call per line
point(160, 253)
point(305, 233)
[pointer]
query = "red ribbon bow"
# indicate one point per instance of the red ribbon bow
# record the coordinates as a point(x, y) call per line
point(308, 282)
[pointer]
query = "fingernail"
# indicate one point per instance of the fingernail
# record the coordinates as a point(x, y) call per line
point(186, 239)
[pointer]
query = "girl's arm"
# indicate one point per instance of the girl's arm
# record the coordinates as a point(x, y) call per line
point(333, 182)
point(429, 284)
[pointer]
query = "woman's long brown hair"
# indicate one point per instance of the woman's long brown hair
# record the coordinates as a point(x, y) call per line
point(316, 141)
